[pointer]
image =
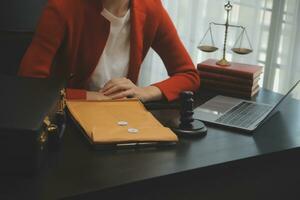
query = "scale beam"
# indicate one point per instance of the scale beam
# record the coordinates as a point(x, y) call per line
point(229, 25)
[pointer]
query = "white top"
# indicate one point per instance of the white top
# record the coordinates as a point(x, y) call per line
point(114, 61)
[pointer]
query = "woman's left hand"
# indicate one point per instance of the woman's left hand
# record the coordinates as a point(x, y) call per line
point(119, 88)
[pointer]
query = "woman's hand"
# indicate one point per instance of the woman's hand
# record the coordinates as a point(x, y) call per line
point(119, 88)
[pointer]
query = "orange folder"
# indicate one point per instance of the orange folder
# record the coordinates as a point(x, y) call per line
point(100, 121)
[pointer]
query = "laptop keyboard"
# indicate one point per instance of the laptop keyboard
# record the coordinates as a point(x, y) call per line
point(244, 114)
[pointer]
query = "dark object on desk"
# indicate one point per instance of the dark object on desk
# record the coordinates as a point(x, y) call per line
point(188, 125)
point(28, 107)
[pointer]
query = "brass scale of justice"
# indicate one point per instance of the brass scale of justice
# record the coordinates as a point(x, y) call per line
point(237, 47)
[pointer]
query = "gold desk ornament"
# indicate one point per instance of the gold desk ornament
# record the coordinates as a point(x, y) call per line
point(62, 100)
point(43, 138)
point(47, 121)
point(56, 130)
point(54, 124)
point(49, 130)
point(52, 129)
point(212, 48)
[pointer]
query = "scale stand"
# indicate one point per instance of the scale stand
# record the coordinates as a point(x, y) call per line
point(237, 49)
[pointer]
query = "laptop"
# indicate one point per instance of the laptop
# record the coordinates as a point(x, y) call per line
point(238, 113)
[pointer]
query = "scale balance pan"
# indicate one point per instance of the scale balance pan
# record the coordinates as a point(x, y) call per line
point(207, 48)
point(241, 51)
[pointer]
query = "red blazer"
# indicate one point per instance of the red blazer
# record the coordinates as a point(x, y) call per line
point(74, 34)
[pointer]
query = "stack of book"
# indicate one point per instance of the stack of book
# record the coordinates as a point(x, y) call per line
point(238, 79)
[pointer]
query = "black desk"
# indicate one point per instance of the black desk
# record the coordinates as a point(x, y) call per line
point(224, 164)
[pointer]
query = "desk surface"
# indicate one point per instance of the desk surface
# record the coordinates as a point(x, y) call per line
point(76, 169)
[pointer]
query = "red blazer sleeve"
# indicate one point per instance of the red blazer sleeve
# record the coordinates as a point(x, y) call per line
point(48, 37)
point(182, 72)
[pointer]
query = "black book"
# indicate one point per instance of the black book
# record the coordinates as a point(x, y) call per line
point(25, 103)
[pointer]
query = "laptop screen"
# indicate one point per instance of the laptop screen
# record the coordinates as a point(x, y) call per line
point(292, 94)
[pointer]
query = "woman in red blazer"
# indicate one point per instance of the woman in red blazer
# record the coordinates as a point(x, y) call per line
point(74, 34)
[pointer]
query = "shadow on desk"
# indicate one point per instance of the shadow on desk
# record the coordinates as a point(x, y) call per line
point(248, 180)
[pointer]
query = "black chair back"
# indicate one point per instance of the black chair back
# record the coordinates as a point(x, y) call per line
point(20, 14)
point(13, 45)
point(18, 19)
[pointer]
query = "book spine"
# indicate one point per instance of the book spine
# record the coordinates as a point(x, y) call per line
point(225, 71)
point(232, 92)
point(227, 85)
point(227, 78)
